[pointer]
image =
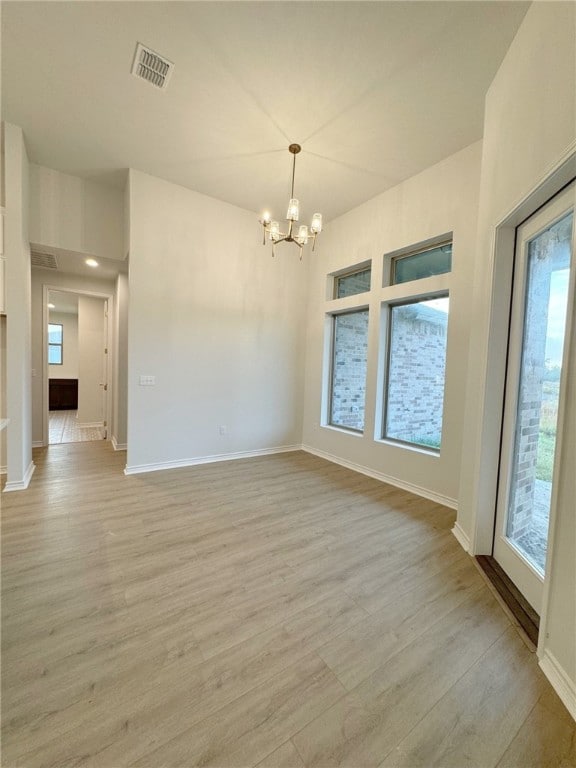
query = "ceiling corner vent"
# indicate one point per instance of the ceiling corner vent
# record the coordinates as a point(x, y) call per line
point(152, 67)
point(44, 260)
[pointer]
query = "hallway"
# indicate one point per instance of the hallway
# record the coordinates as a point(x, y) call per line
point(63, 428)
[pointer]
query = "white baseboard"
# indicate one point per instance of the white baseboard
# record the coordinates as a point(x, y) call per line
point(416, 489)
point(463, 538)
point(140, 468)
point(559, 680)
point(37, 444)
point(118, 446)
point(90, 424)
point(21, 485)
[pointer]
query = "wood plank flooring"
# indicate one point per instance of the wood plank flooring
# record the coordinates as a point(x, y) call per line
point(278, 612)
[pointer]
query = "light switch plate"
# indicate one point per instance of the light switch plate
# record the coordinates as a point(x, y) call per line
point(147, 381)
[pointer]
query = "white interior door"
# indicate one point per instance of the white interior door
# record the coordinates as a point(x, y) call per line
point(104, 383)
point(541, 318)
point(92, 367)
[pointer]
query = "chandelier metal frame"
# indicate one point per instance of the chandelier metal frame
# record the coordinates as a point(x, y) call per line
point(272, 228)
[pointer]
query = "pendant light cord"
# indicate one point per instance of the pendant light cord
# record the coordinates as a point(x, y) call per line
point(293, 172)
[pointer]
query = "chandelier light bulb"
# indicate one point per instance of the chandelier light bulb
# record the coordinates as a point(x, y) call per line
point(266, 217)
point(316, 225)
point(293, 210)
point(303, 234)
point(274, 230)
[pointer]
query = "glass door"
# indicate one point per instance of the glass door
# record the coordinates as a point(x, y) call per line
point(543, 295)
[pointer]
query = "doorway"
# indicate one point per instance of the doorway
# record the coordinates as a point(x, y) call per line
point(542, 297)
point(76, 367)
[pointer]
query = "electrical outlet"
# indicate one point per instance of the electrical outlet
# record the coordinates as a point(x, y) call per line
point(223, 429)
point(147, 381)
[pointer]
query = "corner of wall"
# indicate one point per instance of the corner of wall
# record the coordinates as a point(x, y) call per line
point(18, 309)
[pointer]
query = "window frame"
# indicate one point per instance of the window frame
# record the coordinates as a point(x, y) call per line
point(358, 269)
point(387, 308)
point(60, 345)
point(390, 259)
point(332, 317)
point(409, 292)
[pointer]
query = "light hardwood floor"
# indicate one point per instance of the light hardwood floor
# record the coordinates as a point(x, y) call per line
point(279, 611)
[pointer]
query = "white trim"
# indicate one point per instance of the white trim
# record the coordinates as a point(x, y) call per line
point(523, 573)
point(544, 188)
point(492, 366)
point(343, 430)
point(462, 537)
point(416, 489)
point(21, 485)
point(4, 423)
point(90, 424)
point(37, 444)
point(3, 470)
point(118, 446)
point(138, 468)
point(559, 680)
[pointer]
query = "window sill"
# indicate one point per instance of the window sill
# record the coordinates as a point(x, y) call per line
point(409, 447)
point(342, 430)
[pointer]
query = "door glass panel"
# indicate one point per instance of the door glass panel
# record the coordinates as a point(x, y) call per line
point(546, 302)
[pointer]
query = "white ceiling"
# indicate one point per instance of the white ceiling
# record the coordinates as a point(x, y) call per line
point(374, 91)
point(72, 263)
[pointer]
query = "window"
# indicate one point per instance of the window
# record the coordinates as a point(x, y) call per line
point(55, 338)
point(415, 266)
point(416, 371)
point(352, 283)
point(348, 374)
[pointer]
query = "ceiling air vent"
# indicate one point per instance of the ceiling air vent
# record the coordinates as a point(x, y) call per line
point(45, 260)
point(152, 67)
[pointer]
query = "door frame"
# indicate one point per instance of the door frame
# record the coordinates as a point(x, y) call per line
point(530, 582)
point(46, 288)
point(496, 288)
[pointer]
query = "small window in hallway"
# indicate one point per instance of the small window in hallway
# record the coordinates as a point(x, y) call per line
point(55, 343)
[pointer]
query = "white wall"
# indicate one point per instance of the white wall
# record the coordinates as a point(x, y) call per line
point(75, 214)
point(69, 367)
point(120, 389)
point(2, 392)
point(530, 127)
point(60, 281)
point(91, 360)
point(442, 199)
point(217, 321)
point(558, 648)
point(126, 218)
point(18, 347)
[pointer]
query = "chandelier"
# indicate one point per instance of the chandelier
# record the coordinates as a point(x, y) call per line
point(272, 228)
